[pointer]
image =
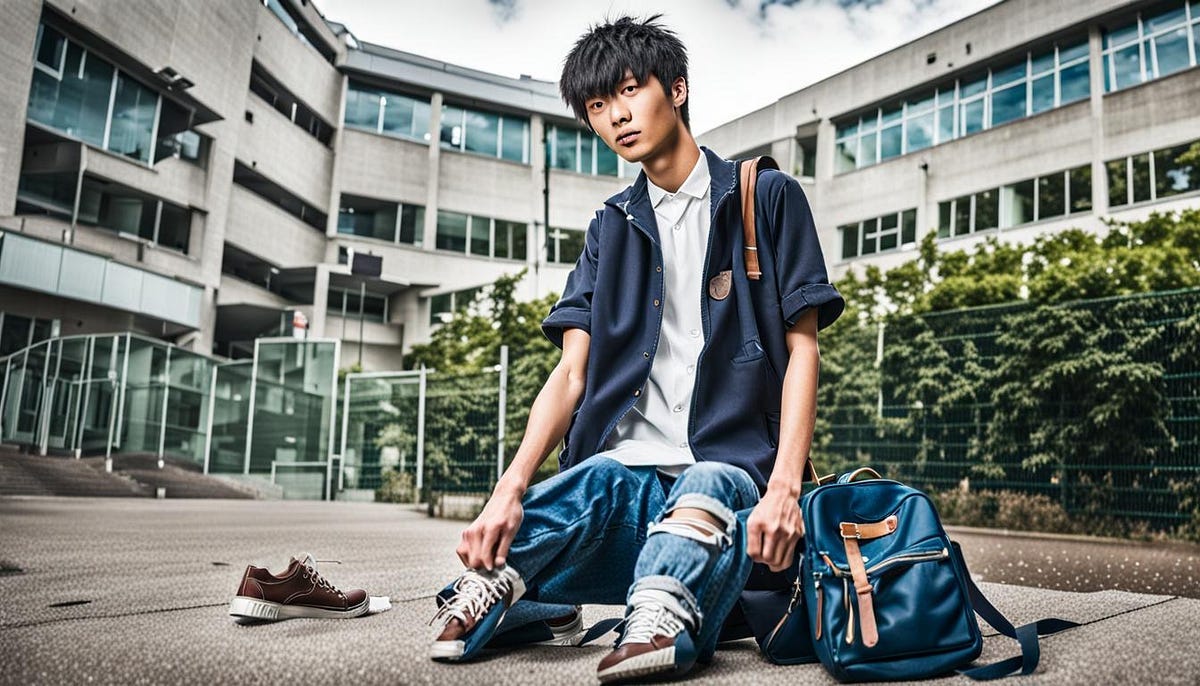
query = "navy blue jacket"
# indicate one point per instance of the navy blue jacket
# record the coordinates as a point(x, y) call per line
point(615, 293)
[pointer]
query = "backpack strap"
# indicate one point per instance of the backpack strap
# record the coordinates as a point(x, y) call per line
point(748, 173)
point(1026, 634)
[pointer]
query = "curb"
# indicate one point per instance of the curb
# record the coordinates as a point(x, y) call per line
point(1073, 538)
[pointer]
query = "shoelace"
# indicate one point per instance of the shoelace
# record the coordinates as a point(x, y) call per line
point(473, 595)
point(648, 620)
point(322, 581)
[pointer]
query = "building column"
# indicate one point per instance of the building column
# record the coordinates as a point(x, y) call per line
point(20, 33)
point(316, 322)
point(535, 232)
point(429, 237)
point(1096, 88)
point(331, 222)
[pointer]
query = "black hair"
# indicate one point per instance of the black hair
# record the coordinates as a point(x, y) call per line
point(597, 63)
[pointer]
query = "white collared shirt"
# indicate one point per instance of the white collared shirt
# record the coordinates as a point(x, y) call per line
point(655, 431)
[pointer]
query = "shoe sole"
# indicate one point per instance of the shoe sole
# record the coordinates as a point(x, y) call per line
point(645, 664)
point(569, 635)
point(252, 610)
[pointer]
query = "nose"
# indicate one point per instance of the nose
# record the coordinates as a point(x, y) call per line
point(618, 111)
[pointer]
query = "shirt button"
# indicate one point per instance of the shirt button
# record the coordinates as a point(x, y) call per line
point(691, 369)
point(677, 227)
point(694, 332)
point(683, 445)
point(679, 408)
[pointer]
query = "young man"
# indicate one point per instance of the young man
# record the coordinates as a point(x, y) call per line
point(668, 393)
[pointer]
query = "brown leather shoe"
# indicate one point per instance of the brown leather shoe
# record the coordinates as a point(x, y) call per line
point(300, 591)
point(654, 641)
point(471, 609)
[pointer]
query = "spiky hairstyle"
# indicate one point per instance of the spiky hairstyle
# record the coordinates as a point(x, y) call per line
point(599, 59)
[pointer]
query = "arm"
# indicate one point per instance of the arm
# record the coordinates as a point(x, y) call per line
point(775, 525)
point(486, 541)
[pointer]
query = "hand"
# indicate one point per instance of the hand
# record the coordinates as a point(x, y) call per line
point(773, 529)
point(485, 543)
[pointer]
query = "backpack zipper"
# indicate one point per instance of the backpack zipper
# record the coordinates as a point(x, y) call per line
point(907, 557)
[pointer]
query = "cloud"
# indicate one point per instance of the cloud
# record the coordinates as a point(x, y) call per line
point(744, 54)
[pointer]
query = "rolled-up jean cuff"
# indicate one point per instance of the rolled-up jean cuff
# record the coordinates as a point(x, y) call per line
point(673, 587)
point(710, 505)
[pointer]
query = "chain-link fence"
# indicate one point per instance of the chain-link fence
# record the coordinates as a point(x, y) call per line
point(1094, 404)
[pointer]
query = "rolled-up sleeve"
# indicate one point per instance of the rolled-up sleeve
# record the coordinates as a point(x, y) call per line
point(574, 309)
point(802, 280)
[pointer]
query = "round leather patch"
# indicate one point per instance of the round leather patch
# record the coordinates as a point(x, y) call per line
point(718, 286)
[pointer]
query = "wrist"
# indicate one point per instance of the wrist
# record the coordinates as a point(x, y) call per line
point(789, 487)
point(509, 488)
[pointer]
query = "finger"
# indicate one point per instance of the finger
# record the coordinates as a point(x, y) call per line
point(474, 559)
point(506, 540)
point(754, 540)
point(770, 542)
point(487, 547)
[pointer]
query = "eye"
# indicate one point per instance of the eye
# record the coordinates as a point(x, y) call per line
point(630, 88)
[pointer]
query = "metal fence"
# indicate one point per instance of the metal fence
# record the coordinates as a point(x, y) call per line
point(1120, 438)
point(410, 433)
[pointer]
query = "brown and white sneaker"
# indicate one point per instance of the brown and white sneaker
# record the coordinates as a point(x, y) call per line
point(300, 591)
point(654, 642)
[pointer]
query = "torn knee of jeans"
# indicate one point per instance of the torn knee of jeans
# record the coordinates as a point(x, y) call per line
point(693, 528)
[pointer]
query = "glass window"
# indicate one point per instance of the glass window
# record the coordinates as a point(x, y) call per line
point(1008, 74)
point(1008, 104)
point(1118, 187)
point(565, 154)
point(606, 159)
point(15, 335)
point(1141, 177)
point(570, 247)
point(962, 215)
point(972, 87)
point(890, 114)
point(452, 231)
point(870, 236)
point(847, 152)
point(849, 240)
point(1173, 15)
point(889, 142)
point(1127, 66)
point(585, 153)
point(481, 236)
point(908, 227)
point(888, 237)
point(921, 105)
point(1040, 64)
point(367, 217)
point(1074, 83)
point(441, 308)
point(1171, 52)
point(397, 115)
point(1052, 200)
point(1170, 175)
point(132, 130)
point(945, 217)
point(483, 130)
point(1043, 94)
point(452, 126)
point(867, 154)
point(362, 108)
point(1080, 180)
point(1018, 202)
point(174, 227)
point(504, 231)
point(412, 224)
point(1072, 52)
point(971, 117)
point(987, 209)
point(945, 124)
point(919, 132)
point(1121, 36)
point(51, 49)
point(76, 103)
point(513, 146)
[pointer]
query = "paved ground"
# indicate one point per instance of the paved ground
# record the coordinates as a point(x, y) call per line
point(135, 591)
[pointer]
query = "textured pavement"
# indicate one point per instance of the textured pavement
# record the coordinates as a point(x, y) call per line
point(136, 592)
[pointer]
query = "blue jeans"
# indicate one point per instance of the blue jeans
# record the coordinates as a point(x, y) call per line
point(588, 536)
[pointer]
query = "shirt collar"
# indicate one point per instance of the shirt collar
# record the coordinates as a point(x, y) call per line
point(695, 185)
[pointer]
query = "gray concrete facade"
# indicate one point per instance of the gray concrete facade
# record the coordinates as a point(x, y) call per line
point(1158, 113)
point(238, 231)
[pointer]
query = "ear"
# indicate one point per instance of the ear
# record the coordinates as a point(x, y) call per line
point(679, 91)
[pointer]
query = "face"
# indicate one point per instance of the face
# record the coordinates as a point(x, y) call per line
point(638, 120)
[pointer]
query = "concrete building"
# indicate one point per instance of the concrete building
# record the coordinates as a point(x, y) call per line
point(1024, 118)
point(212, 174)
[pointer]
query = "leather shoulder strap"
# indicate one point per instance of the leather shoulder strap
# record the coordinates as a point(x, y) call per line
point(747, 177)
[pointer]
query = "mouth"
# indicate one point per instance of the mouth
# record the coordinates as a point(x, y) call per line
point(628, 139)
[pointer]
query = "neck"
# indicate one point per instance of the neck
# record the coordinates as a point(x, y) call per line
point(670, 168)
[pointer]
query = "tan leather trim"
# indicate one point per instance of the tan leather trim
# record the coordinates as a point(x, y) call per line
point(869, 530)
point(749, 176)
point(862, 588)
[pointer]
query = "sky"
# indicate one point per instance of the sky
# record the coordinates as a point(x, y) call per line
point(743, 54)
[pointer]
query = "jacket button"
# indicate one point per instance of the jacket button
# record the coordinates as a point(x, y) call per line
point(646, 355)
point(637, 392)
point(658, 269)
point(629, 217)
point(656, 302)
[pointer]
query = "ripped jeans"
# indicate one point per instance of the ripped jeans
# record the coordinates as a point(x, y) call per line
point(595, 534)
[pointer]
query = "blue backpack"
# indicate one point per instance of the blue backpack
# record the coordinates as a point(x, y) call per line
point(882, 593)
